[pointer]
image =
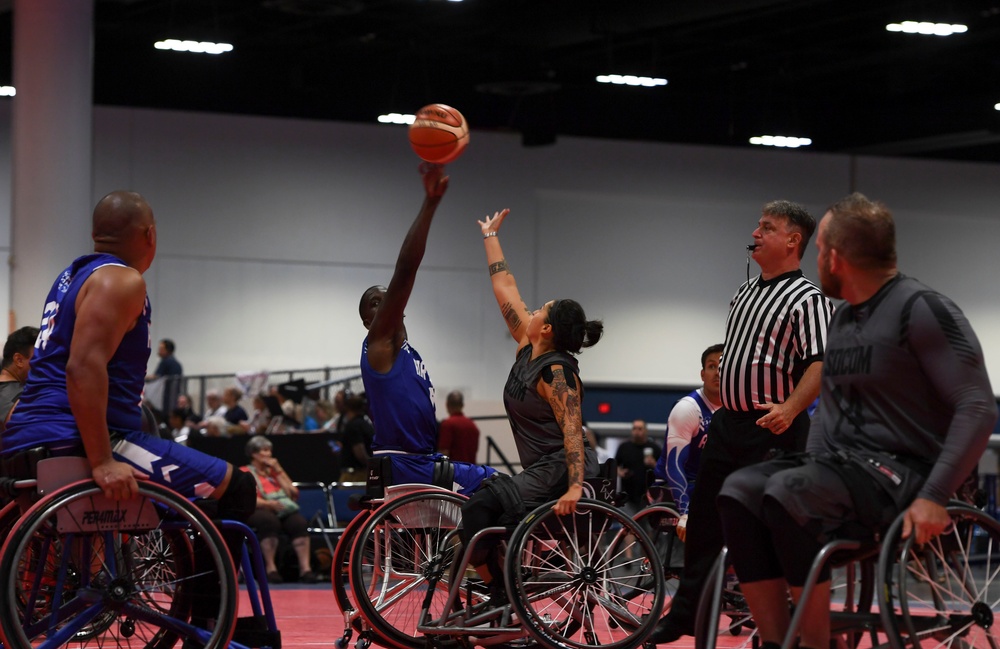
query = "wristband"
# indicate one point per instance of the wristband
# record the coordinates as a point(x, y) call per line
point(489, 234)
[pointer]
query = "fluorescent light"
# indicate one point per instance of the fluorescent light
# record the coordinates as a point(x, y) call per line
point(997, 106)
point(783, 141)
point(396, 118)
point(7, 91)
point(631, 80)
point(200, 47)
point(927, 29)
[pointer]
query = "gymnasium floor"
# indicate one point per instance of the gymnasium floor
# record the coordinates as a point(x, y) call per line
point(308, 617)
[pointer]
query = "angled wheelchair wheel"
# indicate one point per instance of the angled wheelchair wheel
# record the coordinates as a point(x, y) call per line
point(401, 562)
point(722, 610)
point(945, 593)
point(660, 523)
point(341, 565)
point(591, 579)
point(81, 570)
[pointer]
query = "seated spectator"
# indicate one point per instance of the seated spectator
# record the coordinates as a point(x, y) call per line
point(277, 511)
point(184, 405)
point(235, 414)
point(215, 407)
point(358, 435)
point(179, 428)
point(324, 415)
point(17, 353)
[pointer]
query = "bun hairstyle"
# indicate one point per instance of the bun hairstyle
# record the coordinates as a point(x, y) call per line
point(571, 331)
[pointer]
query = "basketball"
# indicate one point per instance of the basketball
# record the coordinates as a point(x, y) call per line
point(439, 134)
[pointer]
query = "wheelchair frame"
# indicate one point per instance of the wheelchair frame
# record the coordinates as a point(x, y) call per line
point(954, 599)
point(95, 579)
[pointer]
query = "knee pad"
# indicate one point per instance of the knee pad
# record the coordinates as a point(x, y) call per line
point(240, 498)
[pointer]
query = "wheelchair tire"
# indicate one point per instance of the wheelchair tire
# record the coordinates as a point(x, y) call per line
point(340, 569)
point(406, 546)
point(113, 588)
point(660, 523)
point(946, 591)
point(587, 580)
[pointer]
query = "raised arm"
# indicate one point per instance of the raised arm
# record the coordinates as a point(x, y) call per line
point(386, 333)
point(513, 309)
point(107, 307)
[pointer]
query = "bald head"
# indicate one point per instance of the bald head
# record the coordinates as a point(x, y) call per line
point(123, 225)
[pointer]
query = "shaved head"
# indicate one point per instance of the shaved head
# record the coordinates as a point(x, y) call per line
point(123, 226)
point(118, 214)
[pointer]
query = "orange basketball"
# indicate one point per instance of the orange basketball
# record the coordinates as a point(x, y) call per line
point(439, 133)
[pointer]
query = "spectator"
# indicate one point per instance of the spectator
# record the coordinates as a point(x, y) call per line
point(171, 371)
point(215, 407)
point(324, 415)
point(357, 444)
point(337, 422)
point(687, 432)
point(17, 353)
point(179, 427)
point(236, 417)
point(277, 511)
point(635, 459)
point(184, 404)
point(458, 437)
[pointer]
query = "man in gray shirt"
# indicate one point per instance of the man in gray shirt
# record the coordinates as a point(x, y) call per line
point(906, 409)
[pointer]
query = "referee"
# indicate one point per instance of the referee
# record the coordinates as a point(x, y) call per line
point(770, 372)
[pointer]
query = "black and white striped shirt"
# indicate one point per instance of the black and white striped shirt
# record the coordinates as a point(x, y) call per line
point(774, 330)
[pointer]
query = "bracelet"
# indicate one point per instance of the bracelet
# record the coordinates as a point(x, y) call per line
point(489, 234)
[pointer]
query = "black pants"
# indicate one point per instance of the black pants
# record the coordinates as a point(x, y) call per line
point(734, 441)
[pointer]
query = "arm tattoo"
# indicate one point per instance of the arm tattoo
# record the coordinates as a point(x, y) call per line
point(498, 267)
point(566, 406)
point(510, 315)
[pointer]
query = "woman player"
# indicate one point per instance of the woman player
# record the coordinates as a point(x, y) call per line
point(542, 398)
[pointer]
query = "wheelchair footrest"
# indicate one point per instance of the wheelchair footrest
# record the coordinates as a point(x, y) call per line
point(252, 631)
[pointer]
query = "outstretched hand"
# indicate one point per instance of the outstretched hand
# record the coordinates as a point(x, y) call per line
point(492, 223)
point(435, 182)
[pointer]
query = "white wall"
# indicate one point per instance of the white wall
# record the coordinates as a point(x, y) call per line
point(270, 229)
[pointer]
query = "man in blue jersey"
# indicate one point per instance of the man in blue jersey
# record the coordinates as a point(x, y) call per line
point(85, 387)
point(84, 391)
point(399, 389)
point(687, 432)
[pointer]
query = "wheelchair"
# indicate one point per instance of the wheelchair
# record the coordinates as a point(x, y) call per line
point(77, 568)
point(585, 580)
point(896, 594)
point(385, 610)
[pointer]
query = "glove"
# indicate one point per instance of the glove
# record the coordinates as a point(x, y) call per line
point(682, 527)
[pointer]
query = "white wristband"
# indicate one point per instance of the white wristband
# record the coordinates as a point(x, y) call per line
point(489, 234)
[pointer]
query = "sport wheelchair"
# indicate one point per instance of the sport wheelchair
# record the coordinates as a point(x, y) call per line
point(77, 568)
point(585, 580)
point(897, 594)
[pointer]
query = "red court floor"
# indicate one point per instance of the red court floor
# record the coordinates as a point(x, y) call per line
point(308, 617)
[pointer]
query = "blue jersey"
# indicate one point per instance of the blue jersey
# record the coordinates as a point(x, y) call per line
point(43, 415)
point(401, 403)
point(687, 432)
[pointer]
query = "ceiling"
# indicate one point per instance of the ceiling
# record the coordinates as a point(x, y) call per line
point(823, 69)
